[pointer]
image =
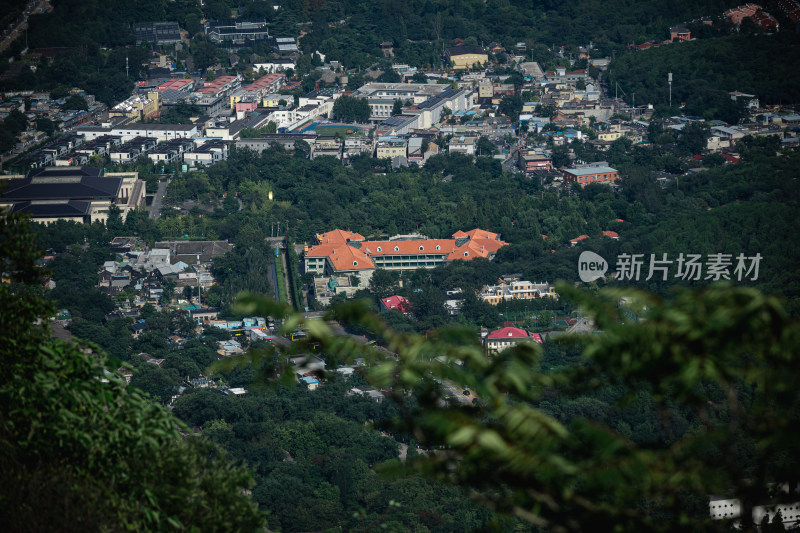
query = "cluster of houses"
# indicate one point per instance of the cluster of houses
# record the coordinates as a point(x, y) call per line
point(178, 270)
point(450, 111)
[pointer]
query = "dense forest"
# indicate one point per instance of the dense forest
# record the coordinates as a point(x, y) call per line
point(705, 70)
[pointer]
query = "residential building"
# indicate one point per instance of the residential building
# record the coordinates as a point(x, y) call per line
point(138, 107)
point(466, 57)
point(80, 194)
point(399, 303)
point(285, 44)
point(731, 509)
point(751, 100)
point(127, 132)
point(574, 242)
point(485, 89)
point(266, 140)
point(755, 13)
point(501, 339)
point(280, 64)
point(181, 85)
point(221, 86)
point(516, 290)
point(195, 252)
point(680, 33)
point(462, 145)
point(129, 151)
point(267, 84)
point(389, 148)
point(327, 146)
point(171, 151)
point(229, 348)
point(208, 153)
point(587, 175)
point(531, 162)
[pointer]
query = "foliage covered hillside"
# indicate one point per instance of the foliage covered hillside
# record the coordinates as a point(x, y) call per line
point(81, 452)
point(705, 70)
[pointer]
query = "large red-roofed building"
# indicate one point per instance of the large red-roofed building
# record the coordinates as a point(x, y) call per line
point(340, 252)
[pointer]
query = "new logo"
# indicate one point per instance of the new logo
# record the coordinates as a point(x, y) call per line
point(591, 266)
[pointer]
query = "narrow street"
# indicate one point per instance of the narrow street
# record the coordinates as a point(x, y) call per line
point(155, 207)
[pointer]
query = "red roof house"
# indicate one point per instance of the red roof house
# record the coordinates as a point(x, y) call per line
point(500, 339)
point(395, 302)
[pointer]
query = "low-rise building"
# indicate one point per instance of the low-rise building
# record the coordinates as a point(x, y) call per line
point(236, 30)
point(501, 339)
point(81, 194)
point(586, 175)
point(516, 290)
point(344, 253)
point(399, 303)
point(389, 148)
point(465, 57)
point(208, 153)
point(531, 161)
point(462, 145)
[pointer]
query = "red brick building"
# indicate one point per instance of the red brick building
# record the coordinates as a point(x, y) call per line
point(587, 175)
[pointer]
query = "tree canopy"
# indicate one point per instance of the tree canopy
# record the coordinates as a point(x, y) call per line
point(78, 450)
point(717, 363)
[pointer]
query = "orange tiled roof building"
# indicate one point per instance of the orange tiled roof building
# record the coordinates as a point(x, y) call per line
point(340, 252)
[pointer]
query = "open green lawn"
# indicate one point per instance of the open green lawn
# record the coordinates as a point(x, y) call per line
point(279, 275)
point(331, 131)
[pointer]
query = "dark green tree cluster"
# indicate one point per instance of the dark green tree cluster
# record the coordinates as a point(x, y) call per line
point(707, 380)
point(705, 70)
point(351, 109)
point(14, 124)
point(314, 459)
point(79, 451)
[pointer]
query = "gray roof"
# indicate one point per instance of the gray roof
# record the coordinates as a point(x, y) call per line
point(63, 183)
point(589, 171)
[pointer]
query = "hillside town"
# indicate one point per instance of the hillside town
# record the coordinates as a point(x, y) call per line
point(234, 207)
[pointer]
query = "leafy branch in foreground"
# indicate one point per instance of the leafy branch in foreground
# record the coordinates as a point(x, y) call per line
point(81, 452)
point(725, 356)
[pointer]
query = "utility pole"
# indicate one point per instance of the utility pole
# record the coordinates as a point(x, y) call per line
point(669, 79)
point(127, 73)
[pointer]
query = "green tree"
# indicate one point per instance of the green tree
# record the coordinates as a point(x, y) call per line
point(76, 102)
point(351, 109)
point(45, 125)
point(79, 450)
point(729, 347)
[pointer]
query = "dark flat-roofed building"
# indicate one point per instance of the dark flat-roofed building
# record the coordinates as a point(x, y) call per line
point(236, 30)
point(157, 32)
point(195, 252)
point(81, 194)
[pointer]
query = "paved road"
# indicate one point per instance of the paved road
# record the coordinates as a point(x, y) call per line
point(155, 207)
point(509, 165)
point(21, 23)
point(289, 299)
point(273, 278)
